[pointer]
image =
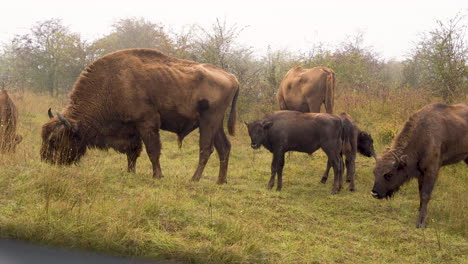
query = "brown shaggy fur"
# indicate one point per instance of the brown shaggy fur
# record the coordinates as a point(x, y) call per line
point(305, 90)
point(127, 96)
point(435, 136)
point(8, 119)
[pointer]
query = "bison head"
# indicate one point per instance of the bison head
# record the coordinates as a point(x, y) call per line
point(365, 145)
point(61, 141)
point(258, 130)
point(391, 171)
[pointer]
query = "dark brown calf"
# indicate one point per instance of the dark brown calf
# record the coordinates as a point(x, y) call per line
point(355, 141)
point(284, 131)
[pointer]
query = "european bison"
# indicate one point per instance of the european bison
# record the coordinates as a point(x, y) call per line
point(305, 90)
point(435, 136)
point(284, 131)
point(8, 118)
point(127, 96)
point(359, 142)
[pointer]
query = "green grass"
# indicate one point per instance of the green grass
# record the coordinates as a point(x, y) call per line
point(96, 205)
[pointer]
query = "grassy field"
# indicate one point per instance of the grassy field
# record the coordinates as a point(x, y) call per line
point(96, 205)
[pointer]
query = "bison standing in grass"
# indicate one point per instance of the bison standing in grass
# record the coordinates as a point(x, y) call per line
point(435, 136)
point(126, 97)
point(8, 118)
point(305, 90)
point(284, 131)
point(359, 142)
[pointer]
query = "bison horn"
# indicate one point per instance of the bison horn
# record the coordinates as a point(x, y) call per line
point(49, 112)
point(397, 159)
point(64, 121)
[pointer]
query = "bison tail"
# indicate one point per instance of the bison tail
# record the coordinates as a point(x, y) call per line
point(233, 115)
point(347, 134)
point(330, 92)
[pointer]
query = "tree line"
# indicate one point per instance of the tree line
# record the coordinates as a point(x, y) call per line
point(49, 58)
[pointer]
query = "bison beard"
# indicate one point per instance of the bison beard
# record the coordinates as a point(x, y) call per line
point(126, 97)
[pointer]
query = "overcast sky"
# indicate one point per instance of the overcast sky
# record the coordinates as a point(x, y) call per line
point(391, 27)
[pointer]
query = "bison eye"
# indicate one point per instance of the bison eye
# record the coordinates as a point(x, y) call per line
point(387, 176)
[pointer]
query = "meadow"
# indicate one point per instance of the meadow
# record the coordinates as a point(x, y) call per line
point(96, 205)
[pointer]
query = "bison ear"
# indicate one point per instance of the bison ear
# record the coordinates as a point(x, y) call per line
point(267, 124)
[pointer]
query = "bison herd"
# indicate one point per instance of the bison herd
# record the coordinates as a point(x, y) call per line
point(125, 98)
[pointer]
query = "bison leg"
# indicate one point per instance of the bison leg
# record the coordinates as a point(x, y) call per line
point(314, 104)
point(336, 161)
point(208, 129)
point(223, 147)
point(150, 136)
point(350, 171)
point(277, 165)
point(325, 174)
point(426, 185)
point(132, 157)
point(337, 164)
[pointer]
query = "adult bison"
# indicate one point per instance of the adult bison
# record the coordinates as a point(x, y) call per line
point(359, 142)
point(435, 136)
point(305, 90)
point(284, 131)
point(8, 119)
point(127, 96)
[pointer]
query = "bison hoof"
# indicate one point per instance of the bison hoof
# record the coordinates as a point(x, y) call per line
point(421, 225)
point(221, 182)
point(158, 176)
point(323, 180)
point(352, 189)
point(348, 180)
point(333, 192)
point(278, 189)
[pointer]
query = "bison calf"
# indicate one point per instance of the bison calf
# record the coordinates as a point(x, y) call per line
point(284, 131)
point(355, 141)
point(435, 136)
point(8, 118)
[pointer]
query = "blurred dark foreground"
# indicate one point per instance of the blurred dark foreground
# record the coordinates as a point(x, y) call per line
point(18, 252)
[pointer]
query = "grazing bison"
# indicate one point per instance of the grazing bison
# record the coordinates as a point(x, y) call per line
point(127, 96)
point(359, 141)
point(284, 131)
point(305, 90)
point(8, 118)
point(435, 136)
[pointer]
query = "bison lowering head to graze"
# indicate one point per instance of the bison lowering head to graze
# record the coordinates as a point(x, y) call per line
point(284, 131)
point(8, 118)
point(127, 96)
point(435, 136)
point(305, 90)
point(354, 141)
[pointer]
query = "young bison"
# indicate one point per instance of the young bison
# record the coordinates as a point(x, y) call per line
point(435, 136)
point(359, 142)
point(284, 131)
